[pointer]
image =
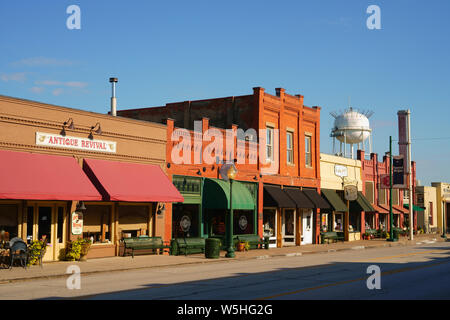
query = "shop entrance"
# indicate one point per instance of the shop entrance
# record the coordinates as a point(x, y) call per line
point(288, 227)
point(47, 222)
point(307, 233)
point(270, 226)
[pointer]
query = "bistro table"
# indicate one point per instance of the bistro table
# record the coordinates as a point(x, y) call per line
point(4, 257)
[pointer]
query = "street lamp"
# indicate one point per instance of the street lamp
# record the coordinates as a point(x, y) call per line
point(391, 214)
point(231, 174)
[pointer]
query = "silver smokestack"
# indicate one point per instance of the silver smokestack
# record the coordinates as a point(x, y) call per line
point(113, 97)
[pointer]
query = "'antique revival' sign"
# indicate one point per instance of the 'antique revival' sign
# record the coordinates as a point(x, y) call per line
point(58, 141)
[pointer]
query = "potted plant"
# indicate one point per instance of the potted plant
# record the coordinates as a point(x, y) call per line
point(78, 249)
point(36, 251)
point(85, 246)
point(241, 246)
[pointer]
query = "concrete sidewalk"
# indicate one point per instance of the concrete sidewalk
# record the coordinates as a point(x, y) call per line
point(116, 264)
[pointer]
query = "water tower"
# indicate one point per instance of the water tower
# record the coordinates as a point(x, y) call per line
point(351, 127)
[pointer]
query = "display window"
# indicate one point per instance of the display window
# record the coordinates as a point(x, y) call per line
point(97, 223)
point(185, 220)
point(9, 226)
point(134, 220)
point(243, 222)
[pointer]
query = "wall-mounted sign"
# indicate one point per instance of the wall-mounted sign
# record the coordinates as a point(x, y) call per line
point(350, 193)
point(58, 141)
point(340, 171)
point(77, 223)
point(446, 191)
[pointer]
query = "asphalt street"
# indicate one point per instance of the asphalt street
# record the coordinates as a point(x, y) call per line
point(406, 272)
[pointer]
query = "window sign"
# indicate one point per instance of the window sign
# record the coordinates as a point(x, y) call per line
point(77, 223)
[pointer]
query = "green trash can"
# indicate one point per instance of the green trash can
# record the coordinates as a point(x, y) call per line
point(212, 248)
point(396, 232)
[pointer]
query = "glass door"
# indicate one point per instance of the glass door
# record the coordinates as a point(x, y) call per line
point(47, 222)
point(288, 227)
point(270, 226)
point(306, 226)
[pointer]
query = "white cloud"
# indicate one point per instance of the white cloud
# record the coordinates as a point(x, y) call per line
point(75, 84)
point(69, 84)
point(37, 90)
point(43, 61)
point(18, 76)
point(57, 92)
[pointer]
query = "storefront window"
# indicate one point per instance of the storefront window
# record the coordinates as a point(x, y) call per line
point(355, 221)
point(185, 220)
point(370, 221)
point(133, 220)
point(96, 223)
point(338, 222)
point(8, 221)
point(217, 222)
point(383, 220)
point(269, 222)
point(243, 222)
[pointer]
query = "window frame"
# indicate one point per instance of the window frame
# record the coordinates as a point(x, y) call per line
point(308, 164)
point(290, 160)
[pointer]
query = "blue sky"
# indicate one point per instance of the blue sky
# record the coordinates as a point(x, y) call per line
point(166, 51)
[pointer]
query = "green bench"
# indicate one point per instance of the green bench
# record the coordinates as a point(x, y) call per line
point(332, 235)
point(187, 246)
point(143, 243)
point(253, 240)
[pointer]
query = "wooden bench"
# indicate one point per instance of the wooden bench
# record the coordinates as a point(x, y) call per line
point(187, 246)
point(254, 241)
point(143, 243)
point(332, 235)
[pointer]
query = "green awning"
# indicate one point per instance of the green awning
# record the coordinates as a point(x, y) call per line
point(216, 195)
point(415, 208)
point(335, 201)
point(361, 204)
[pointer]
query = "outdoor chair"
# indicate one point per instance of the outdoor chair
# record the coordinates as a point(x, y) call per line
point(18, 251)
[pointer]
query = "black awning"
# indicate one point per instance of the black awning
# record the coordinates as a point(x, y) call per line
point(361, 204)
point(318, 201)
point(275, 197)
point(300, 199)
point(335, 201)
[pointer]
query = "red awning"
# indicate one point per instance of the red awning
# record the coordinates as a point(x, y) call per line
point(31, 176)
point(380, 209)
point(124, 181)
point(401, 209)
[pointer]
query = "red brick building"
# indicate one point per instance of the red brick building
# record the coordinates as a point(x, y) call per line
point(286, 199)
point(371, 171)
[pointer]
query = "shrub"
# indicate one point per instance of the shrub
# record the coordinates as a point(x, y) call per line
point(35, 250)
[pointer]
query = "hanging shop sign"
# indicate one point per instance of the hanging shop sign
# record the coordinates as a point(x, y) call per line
point(58, 141)
point(350, 192)
point(340, 171)
point(398, 172)
point(77, 223)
